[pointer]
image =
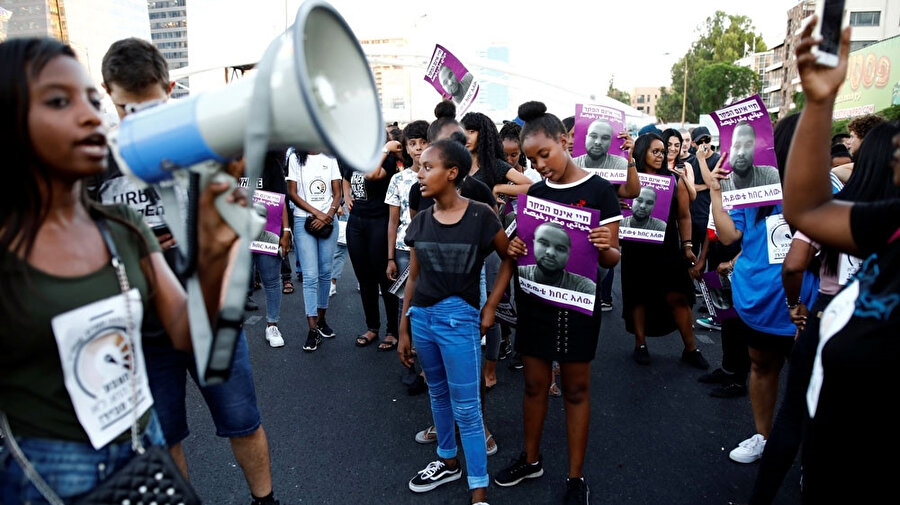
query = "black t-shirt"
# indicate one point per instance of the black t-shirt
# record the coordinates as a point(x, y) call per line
point(272, 178)
point(700, 206)
point(472, 188)
point(451, 256)
point(368, 194)
point(500, 169)
point(592, 192)
point(855, 424)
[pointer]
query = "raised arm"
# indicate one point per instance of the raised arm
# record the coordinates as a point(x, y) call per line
point(808, 204)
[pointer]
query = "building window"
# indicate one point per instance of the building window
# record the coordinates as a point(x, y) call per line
point(865, 18)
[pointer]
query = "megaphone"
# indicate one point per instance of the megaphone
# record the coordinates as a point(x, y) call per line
point(324, 99)
point(313, 91)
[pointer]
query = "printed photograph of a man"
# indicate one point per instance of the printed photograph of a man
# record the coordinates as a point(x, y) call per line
point(454, 86)
point(744, 173)
point(552, 247)
point(641, 210)
point(596, 145)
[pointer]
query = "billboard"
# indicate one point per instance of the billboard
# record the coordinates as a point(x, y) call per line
point(873, 80)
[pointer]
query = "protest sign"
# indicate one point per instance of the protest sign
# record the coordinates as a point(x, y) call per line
point(745, 133)
point(561, 265)
point(451, 79)
point(646, 216)
point(268, 239)
point(717, 295)
point(596, 146)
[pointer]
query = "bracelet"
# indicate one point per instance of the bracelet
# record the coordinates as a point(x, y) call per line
point(794, 305)
point(392, 259)
point(287, 230)
point(687, 243)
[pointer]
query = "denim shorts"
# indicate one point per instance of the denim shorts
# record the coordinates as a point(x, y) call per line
point(71, 469)
point(232, 404)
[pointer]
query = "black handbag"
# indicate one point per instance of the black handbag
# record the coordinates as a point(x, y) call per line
point(323, 232)
point(151, 476)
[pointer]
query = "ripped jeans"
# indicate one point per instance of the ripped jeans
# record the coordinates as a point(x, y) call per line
point(448, 341)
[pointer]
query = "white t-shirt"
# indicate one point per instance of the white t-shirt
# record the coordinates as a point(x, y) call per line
point(314, 181)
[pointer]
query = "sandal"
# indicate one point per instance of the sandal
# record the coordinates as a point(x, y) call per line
point(363, 340)
point(388, 345)
point(427, 436)
point(490, 445)
point(287, 287)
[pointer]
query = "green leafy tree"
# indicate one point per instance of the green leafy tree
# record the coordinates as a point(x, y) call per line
point(717, 83)
point(723, 38)
point(617, 94)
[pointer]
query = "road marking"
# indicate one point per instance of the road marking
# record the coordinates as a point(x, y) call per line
point(250, 321)
point(699, 336)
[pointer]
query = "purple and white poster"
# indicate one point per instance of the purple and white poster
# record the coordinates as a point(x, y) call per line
point(561, 264)
point(644, 219)
point(745, 133)
point(451, 79)
point(717, 294)
point(596, 144)
point(268, 239)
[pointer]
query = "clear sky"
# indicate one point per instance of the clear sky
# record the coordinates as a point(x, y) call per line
point(577, 44)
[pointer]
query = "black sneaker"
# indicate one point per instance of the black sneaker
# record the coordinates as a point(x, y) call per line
point(250, 305)
point(313, 339)
point(606, 306)
point(516, 362)
point(432, 476)
point(695, 359)
point(577, 492)
point(641, 355)
point(717, 376)
point(519, 470)
point(730, 390)
point(324, 330)
point(505, 349)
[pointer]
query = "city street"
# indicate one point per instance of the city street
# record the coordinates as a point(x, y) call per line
point(340, 424)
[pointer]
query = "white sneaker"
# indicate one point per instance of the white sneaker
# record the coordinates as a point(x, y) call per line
point(333, 290)
point(749, 450)
point(273, 336)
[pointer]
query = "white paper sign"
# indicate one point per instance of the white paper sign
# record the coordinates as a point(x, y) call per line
point(834, 318)
point(847, 268)
point(779, 238)
point(98, 358)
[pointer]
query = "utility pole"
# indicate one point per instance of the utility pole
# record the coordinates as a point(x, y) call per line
point(684, 92)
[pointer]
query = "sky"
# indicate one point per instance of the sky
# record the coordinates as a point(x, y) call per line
point(576, 44)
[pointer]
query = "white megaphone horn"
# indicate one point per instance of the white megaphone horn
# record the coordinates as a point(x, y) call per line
point(324, 99)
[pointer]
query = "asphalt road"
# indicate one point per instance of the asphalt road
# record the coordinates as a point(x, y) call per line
point(340, 424)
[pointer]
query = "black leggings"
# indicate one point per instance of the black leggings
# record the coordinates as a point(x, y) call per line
point(367, 245)
point(787, 430)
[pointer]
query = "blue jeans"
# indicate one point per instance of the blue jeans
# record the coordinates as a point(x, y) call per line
point(488, 278)
point(446, 336)
point(340, 254)
point(270, 273)
point(606, 285)
point(71, 469)
point(231, 404)
point(316, 259)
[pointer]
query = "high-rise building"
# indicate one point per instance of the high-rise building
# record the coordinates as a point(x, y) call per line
point(168, 31)
point(36, 18)
point(391, 80)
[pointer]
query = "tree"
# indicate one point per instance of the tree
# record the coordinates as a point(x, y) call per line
point(724, 38)
point(717, 83)
point(617, 94)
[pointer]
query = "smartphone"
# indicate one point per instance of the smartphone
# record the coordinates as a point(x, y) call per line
point(831, 14)
point(161, 230)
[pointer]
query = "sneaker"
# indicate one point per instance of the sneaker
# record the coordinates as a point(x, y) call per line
point(717, 376)
point(695, 359)
point(730, 390)
point(427, 436)
point(709, 323)
point(250, 305)
point(641, 355)
point(333, 290)
point(313, 339)
point(516, 362)
point(432, 476)
point(519, 470)
point(324, 330)
point(273, 335)
point(749, 450)
point(605, 306)
point(577, 492)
